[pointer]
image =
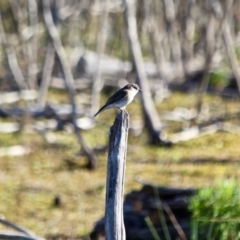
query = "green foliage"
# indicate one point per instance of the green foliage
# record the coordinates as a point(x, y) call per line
point(218, 79)
point(216, 211)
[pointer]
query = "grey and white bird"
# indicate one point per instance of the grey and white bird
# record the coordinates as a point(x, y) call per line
point(121, 98)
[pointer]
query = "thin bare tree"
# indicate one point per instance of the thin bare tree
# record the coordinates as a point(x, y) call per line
point(46, 75)
point(12, 58)
point(171, 28)
point(69, 81)
point(217, 25)
point(20, 16)
point(228, 35)
point(152, 120)
point(156, 36)
point(32, 47)
point(209, 51)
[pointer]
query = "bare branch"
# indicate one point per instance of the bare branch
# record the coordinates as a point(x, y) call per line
point(174, 221)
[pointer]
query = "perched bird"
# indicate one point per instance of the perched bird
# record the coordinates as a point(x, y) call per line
point(121, 98)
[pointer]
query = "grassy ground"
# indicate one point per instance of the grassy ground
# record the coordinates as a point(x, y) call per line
point(30, 184)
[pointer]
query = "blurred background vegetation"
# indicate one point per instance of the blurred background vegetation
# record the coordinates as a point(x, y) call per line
point(60, 61)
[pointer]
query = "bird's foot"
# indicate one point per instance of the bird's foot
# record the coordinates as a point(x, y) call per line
point(122, 110)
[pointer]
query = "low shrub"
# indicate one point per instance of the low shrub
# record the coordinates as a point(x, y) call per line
point(216, 212)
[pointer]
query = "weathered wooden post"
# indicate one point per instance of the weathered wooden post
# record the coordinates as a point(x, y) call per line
point(114, 222)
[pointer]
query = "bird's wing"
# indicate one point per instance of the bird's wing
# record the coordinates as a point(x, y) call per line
point(116, 97)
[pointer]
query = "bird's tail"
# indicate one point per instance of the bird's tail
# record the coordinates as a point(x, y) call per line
point(100, 110)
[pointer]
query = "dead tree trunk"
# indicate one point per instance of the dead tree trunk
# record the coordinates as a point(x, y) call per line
point(46, 75)
point(228, 35)
point(32, 44)
point(171, 25)
point(188, 27)
point(69, 82)
point(210, 44)
point(114, 222)
point(152, 119)
point(209, 51)
point(12, 59)
point(20, 16)
point(155, 38)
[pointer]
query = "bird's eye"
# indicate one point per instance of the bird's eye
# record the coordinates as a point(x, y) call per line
point(134, 87)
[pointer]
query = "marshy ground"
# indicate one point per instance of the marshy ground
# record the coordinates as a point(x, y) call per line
point(51, 192)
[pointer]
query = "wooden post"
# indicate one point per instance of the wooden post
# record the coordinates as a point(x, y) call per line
point(114, 222)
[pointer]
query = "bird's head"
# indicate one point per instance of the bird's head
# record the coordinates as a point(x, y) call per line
point(133, 87)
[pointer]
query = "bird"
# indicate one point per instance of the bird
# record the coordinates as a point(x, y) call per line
point(121, 98)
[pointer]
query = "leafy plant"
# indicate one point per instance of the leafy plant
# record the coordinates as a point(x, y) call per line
point(218, 79)
point(216, 211)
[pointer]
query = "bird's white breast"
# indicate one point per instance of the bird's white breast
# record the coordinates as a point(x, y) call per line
point(131, 94)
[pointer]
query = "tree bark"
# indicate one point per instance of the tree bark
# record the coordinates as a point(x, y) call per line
point(114, 222)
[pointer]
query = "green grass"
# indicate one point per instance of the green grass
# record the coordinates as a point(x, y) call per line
point(216, 211)
point(30, 183)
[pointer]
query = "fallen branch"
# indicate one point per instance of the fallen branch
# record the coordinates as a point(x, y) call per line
point(195, 132)
point(174, 221)
point(28, 235)
point(15, 236)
